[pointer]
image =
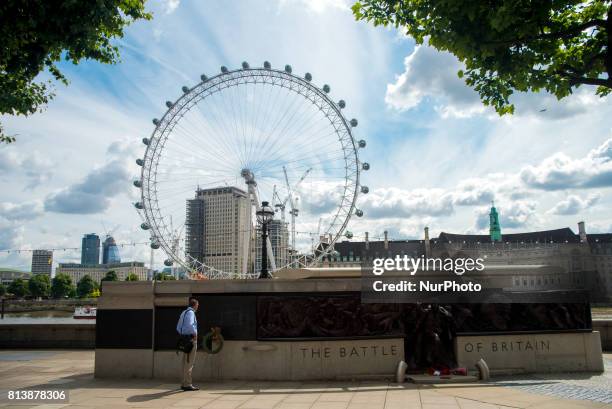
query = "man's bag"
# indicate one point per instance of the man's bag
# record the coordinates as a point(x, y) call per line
point(184, 344)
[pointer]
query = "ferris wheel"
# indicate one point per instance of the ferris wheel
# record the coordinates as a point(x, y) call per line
point(234, 140)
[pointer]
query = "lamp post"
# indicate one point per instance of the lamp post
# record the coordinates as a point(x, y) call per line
point(264, 216)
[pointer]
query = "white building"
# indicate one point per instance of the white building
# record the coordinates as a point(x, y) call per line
point(218, 228)
point(97, 272)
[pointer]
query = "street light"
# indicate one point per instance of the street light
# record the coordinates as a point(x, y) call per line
point(264, 216)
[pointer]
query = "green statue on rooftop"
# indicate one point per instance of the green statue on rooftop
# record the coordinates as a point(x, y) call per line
point(494, 227)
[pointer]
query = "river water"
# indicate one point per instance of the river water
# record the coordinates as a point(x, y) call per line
point(43, 317)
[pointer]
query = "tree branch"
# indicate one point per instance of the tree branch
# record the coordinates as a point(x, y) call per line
point(576, 79)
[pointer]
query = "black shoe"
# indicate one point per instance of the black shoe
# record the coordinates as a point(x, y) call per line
point(190, 388)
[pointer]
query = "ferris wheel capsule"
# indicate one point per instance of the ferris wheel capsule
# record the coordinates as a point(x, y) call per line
point(168, 263)
point(185, 89)
point(245, 65)
point(203, 77)
point(365, 189)
point(365, 166)
point(146, 141)
point(362, 143)
point(359, 213)
point(169, 104)
point(139, 162)
point(342, 104)
point(155, 121)
point(354, 122)
point(137, 183)
point(326, 88)
point(288, 69)
point(267, 65)
point(349, 234)
point(224, 69)
point(155, 245)
point(308, 76)
point(145, 226)
point(138, 205)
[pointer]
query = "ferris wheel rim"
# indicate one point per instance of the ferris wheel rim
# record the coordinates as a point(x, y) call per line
point(215, 84)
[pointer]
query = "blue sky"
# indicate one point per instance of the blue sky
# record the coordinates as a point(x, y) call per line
point(438, 156)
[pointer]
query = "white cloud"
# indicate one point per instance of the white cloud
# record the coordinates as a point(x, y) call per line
point(574, 204)
point(431, 76)
point(395, 202)
point(32, 165)
point(21, 211)
point(93, 194)
point(560, 171)
point(517, 214)
point(171, 5)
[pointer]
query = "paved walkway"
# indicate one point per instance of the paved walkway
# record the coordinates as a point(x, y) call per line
point(73, 371)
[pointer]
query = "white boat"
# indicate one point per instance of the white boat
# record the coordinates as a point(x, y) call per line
point(85, 313)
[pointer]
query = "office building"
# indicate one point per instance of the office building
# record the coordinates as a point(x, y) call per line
point(279, 239)
point(110, 251)
point(218, 228)
point(90, 249)
point(42, 262)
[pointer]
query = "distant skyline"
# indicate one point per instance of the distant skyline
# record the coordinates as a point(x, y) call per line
point(438, 156)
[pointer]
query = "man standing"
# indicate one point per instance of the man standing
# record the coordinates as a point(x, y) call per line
point(188, 326)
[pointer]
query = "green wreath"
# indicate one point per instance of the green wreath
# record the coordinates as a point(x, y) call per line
point(213, 335)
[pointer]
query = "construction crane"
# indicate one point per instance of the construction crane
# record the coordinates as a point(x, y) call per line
point(294, 209)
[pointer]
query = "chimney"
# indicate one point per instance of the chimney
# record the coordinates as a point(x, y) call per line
point(582, 232)
point(367, 241)
point(386, 240)
point(427, 244)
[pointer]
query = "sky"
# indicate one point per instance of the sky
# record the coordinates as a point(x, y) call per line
point(438, 156)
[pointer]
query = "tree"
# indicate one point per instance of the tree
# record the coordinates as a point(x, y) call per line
point(163, 277)
point(37, 34)
point(18, 287)
point(85, 286)
point(510, 45)
point(131, 277)
point(2, 289)
point(111, 276)
point(61, 286)
point(39, 285)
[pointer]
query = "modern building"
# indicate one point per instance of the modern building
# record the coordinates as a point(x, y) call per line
point(42, 262)
point(218, 228)
point(110, 251)
point(97, 272)
point(90, 249)
point(279, 239)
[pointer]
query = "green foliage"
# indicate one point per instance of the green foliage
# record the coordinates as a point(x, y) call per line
point(2, 289)
point(111, 276)
point(164, 277)
point(18, 287)
point(510, 45)
point(131, 277)
point(37, 34)
point(85, 286)
point(39, 285)
point(61, 286)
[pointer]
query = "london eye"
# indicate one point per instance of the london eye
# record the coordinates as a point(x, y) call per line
point(236, 139)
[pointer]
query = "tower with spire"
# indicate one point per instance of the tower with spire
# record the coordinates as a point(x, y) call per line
point(494, 227)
